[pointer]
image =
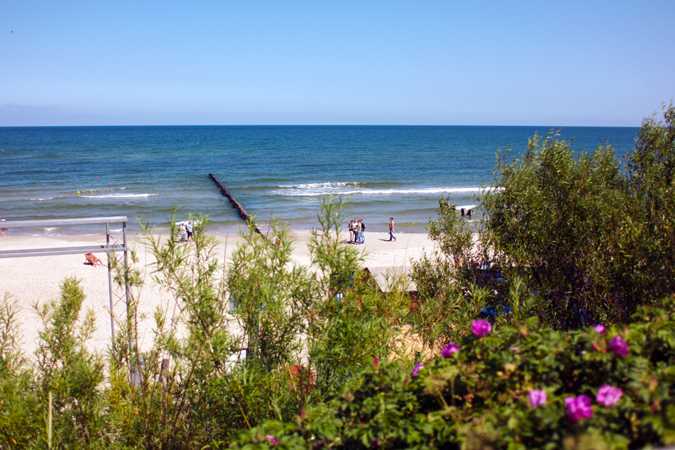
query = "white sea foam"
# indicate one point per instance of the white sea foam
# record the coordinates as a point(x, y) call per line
point(41, 199)
point(116, 195)
point(326, 185)
point(318, 191)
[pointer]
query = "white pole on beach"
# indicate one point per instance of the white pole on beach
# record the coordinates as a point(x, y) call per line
point(110, 293)
point(133, 368)
point(49, 422)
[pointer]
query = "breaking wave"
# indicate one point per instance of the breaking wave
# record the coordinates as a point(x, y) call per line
point(354, 188)
point(117, 195)
point(326, 185)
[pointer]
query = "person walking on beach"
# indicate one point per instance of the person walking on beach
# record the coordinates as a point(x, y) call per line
point(188, 229)
point(392, 228)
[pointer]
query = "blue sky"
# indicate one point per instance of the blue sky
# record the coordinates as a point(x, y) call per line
point(390, 62)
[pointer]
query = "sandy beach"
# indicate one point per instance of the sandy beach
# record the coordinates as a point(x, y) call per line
point(36, 279)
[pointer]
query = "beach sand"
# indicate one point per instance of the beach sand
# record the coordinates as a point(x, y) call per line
point(37, 279)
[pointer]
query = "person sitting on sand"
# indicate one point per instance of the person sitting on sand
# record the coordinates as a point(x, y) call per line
point(392, 226)
point(92, 260)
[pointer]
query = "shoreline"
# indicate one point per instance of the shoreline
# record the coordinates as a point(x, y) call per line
point(216, 229)
point(37, 279)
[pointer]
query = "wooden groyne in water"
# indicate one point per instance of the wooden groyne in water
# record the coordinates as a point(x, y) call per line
point(245, 216)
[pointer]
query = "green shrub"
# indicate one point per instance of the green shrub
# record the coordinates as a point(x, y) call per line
point(20, 408)
point(449, 282)
point(579, 240)
point(349, 322)
point(478, 398)
point(269, 294)
point(652, 186)
point(69, 371)
point(592, 241)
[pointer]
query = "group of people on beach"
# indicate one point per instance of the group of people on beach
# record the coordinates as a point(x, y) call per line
point(357, 229)
point(185, 231)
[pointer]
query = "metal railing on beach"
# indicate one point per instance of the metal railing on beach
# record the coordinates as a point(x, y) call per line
point(106, 248)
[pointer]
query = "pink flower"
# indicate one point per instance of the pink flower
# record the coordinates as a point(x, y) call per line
point(450, 349)
point(599, 328)
point(608, 395)
point(618, 346)
point(537, 398)
point(579, 408)
point(417, 369)
point(272, 440)
point(481, 328)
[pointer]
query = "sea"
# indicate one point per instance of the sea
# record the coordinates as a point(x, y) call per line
point(155, 174)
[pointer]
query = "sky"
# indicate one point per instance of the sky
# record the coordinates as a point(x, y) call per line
point(594, 63)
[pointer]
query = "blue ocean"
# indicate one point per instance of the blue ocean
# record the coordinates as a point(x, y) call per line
point(276, 172)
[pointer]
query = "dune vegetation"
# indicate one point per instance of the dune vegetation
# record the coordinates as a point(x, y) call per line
point(554, 329)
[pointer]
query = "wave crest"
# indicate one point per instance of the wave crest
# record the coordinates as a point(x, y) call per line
point(316, 190)
point(105, 196)
point(325, 185)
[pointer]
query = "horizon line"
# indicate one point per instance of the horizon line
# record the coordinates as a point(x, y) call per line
point(315, 125)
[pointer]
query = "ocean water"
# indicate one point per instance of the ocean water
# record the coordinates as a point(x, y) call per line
point(276, 172)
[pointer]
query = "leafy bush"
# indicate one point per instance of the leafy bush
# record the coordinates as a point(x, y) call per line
point(479, 397)
point(349, 322)
point(592, 241)
point(19, 403)
point(330, 361)
point(269, 294)
point(451, 285)
point(652, 185)
point(575, 269)
point(69, 371)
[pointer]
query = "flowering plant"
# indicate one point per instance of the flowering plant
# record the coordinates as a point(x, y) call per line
point(481, 328)
point(450, 349)
point(618, 346)
point(536, 398)
point(608, 395)
point(579, 407)
point(272, 440)
point(417, 369)
point(534, 389)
